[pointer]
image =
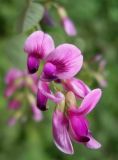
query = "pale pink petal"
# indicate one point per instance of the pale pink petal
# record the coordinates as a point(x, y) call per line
point(78, 87)
point(39, 44)
point(90, 101)
point(67, 59)
point(45, 90)
point(92, 144)
point(12, 74)
point(37, 114)
point(60, 133)
point(69, 26)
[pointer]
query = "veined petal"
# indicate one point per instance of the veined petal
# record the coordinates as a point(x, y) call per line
point(78, 127)
point(60, 133)
point(78, 87)
point(90, 101)
point(67, 59)
point(39, 43)
point(92, 144)
point(45, 90)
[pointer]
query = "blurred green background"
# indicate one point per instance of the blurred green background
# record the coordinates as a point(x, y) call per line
point(97, 25)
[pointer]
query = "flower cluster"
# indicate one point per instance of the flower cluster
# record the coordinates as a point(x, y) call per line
point(18, 81)
point(58, 66)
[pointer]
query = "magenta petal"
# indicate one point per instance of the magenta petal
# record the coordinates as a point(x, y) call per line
point(78, 128)
point(45, 90)
point(41, 101)
point(39, 43)
point(67, 59)
point(78, 87)
point(60, 133)
point(90, 101)
point(69, 27)
point(49, 72)
point(92, 144)
point(32, 64)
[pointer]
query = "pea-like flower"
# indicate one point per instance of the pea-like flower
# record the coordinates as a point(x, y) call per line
point(38, 45)
point(74, 124)
point(62, 63)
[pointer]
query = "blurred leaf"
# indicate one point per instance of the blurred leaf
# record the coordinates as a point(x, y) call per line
point(14, 51)
point(33, 16)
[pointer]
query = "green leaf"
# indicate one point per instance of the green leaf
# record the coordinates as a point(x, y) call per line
point(33, 16)
point(14, 51)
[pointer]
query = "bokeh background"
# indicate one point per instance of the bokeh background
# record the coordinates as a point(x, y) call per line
point(97, 25)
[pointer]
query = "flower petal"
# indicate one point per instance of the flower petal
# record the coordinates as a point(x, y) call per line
point(92, 144)
point(67, 59)
point(90, 101)
point(12, 75)
point(37, 114)
point(32, 63)
point(78, 127)
point(60, 133)
point(45, 90)
point(78, 87)
point(39, 43)
point(69, 26)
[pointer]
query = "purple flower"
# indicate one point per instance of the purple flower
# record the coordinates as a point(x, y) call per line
point(62, 63)
point(38, 45)
point(44, 93)
point(60, 132)
point(78, 87)
point(74, 124)
point(15, 81)
point(78, 124)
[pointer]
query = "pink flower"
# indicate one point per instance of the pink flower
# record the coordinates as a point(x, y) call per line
point(44, 93)
point(69, 26)
point(38, 45)
point(78, 87)
point(16, 80)
point(60, 132)
point(75, 124)
point(62, 63)
point(10, 80)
